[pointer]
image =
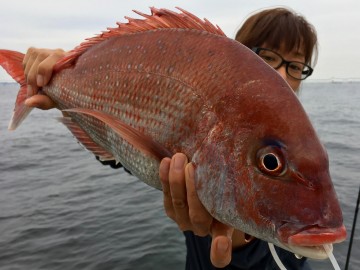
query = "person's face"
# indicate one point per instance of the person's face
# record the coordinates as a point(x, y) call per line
point(294, 55)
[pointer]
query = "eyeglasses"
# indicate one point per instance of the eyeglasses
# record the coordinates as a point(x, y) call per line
point(296, 70)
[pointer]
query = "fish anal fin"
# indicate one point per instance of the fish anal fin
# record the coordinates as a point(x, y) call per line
point(86, 140)
point(139, 140)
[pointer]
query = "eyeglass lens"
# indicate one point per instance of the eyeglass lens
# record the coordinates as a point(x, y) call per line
point(295, 69)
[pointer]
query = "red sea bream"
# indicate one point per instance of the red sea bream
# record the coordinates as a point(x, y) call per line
point(174, 83)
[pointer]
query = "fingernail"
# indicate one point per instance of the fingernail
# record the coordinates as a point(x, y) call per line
point(222, 245)
point(40, 80)
point(29, 90)
point(179, 163)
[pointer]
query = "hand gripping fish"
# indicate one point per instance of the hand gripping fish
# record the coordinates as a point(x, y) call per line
point(172, 82)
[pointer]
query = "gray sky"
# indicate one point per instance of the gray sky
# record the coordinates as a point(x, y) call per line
point(65, 24)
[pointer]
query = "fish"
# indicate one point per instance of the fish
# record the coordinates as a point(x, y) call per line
point(170, 82)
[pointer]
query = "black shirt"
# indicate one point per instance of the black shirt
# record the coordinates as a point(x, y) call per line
point(253, 256)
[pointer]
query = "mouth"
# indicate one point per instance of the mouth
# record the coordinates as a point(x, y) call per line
point(310, 241)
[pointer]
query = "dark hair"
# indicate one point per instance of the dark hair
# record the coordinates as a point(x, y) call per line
point(279, 26)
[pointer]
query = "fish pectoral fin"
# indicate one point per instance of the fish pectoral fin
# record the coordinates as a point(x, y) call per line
point(86, 140)
point(142, 142)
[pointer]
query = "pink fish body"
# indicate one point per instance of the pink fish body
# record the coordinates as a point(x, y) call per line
point(174, 83)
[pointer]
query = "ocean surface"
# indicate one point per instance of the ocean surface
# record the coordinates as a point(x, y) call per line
point(62, 209)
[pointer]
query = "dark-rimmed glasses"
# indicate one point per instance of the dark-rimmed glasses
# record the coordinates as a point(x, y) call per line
point(295, 69)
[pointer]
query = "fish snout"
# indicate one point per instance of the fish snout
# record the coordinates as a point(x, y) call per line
point(310, 235)
point(316, 235)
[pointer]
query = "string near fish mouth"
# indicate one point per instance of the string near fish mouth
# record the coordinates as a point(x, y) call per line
point(328, 250)
point(327, 247)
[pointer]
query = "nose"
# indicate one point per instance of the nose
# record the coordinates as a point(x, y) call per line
point(282, 71)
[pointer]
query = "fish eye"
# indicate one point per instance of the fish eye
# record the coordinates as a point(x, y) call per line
point(271, 161)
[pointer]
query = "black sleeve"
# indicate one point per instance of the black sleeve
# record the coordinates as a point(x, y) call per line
point(113, 164)
point(255, 255)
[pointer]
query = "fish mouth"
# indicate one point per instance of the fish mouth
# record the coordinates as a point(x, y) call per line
point(309, 242)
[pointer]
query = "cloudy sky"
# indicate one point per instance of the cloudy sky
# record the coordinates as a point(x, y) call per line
point(64, 24)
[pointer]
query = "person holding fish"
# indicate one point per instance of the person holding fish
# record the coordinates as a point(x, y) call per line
point(288, 43)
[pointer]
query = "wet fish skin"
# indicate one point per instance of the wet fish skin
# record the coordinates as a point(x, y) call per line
point(158, 95)
point(138, 97)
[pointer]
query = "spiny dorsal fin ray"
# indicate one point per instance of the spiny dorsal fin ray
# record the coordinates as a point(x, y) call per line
point(159, 18)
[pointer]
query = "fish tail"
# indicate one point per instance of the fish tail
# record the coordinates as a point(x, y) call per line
point(11, 61)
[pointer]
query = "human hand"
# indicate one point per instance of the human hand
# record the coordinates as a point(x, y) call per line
point(182, 204)
point(38, 68)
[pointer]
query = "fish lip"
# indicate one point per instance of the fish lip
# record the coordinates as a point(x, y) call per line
point(316, 235)
point(308, 241)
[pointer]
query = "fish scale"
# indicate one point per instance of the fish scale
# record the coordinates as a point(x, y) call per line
point(140, 100)
point(152, 87)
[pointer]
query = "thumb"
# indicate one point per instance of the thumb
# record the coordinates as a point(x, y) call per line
point(40, 101)
point(221, 245)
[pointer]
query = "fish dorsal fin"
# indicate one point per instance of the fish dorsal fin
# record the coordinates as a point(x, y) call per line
point(139, 140)
point(159, 18)
point(85, 139)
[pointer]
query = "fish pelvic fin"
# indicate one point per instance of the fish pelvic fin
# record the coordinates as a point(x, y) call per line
point(139, 140)
point(86, 140)
point(11, 61)
point(158, 19)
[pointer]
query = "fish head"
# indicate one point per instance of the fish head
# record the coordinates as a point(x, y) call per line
point(263, 170)
point(299, 203)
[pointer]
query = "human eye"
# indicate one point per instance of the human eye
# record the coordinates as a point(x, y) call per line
point(296, 67)
point(268, 57)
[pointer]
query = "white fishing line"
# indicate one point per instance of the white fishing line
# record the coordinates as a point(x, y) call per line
point(327, 249)
point(276, 257)
point(331, 256)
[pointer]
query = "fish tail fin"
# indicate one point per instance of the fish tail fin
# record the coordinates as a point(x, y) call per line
point(11, 61)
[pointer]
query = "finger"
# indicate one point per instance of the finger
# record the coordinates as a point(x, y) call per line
point(32, 71)
point(178, 190)
point(46, 67)
point(40, 101)
point(32, 88)
point(220, 253)
point(30, 57)
point(27, 63)
point(199, 216)
point(164, 178)
point(27, 56)
point(38, 67)
point(221, 245)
